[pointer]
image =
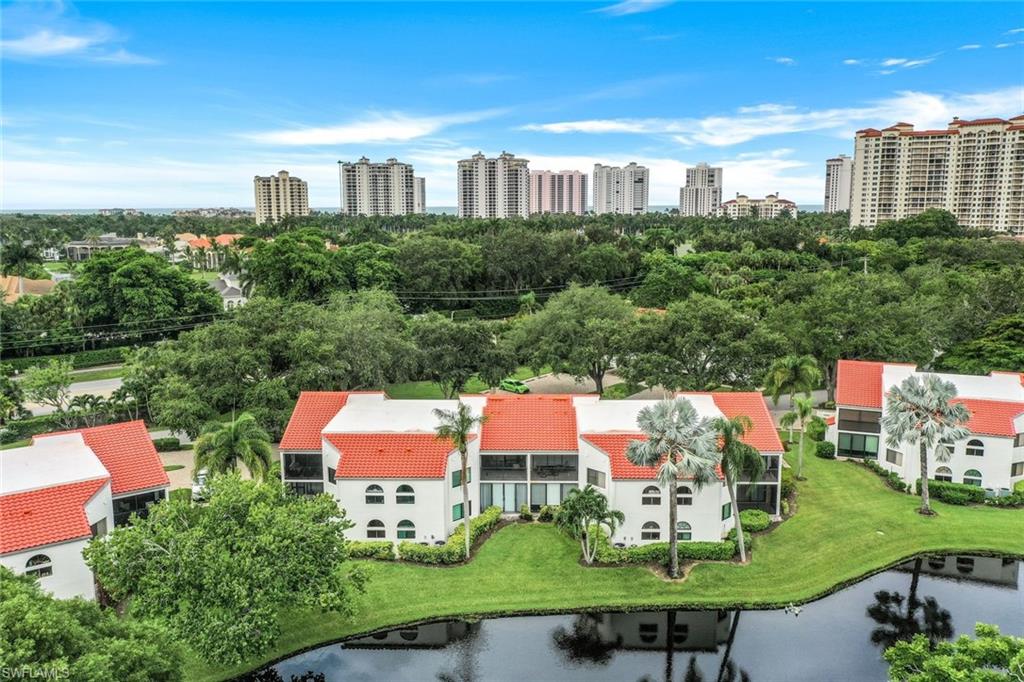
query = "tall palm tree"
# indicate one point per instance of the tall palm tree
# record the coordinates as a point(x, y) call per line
point(899, 624)
point(803, 411)
point(681, 444)
point(457, 426)
point(920, 411)
point(790, 375)
point(738, 460)
point(222, 445)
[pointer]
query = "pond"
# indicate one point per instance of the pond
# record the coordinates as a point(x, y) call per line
point(840, 637)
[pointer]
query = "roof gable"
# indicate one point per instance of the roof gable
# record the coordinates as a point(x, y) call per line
point(614, 445)
point(859, 383)
point(992, 417)
point(390, 455)
point(312, 412)
point(762, 435)
point(529, 422)
point(45, 516)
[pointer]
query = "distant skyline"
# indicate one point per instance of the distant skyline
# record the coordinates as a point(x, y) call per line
point(152, 104)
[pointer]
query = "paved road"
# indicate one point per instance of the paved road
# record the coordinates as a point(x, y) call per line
point(103, 387)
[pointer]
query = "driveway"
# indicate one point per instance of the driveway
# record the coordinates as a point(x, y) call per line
point(102, 387)
point(182, 478)
point(564, 383)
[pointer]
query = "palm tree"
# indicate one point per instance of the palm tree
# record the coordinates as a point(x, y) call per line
point(585, 643)
point(681, 444)
point(222, 445)
point(457, 426)
point(787, 421)
point(920, 411)
point(897, 624)
point(584, 510)
point(790, 375)
point(738, 460)
point(803, 410)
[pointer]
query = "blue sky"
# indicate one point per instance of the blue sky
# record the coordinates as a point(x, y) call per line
point(154, 104)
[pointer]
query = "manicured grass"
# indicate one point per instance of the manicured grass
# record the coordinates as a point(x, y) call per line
point(849, 525)
point(16, 444)
point(427, 390)
point(98, 374)
point(204, 275)
point(176, 467)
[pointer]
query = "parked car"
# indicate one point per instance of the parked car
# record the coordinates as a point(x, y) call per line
point(514, 386)
point(199, 486)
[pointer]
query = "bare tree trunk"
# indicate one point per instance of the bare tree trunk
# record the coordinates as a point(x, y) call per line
point(598, 378)
point(673, 543)
point(926, 507)
point(465, 500)
point(736, 517)
point(800, 454)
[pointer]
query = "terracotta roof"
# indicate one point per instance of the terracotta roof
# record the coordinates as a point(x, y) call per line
point(15, 287)
point(126, 451)
point(311, 414)
point(859, 383)
point(928, 133)
point(200, 243)
point(981, 122)
point(228, 238)
point(830, 420)
point(390, 455)
point(614, 445)
point(992, 417)
point(1018, 118)
point(529, 422)
point(45, 516)
point(763, 435)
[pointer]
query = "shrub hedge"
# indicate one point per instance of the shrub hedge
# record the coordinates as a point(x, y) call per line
point(524, 513)
point(21, 429)
point(381, 550)
point(454, 550)
point(754, 520)
point(825, 450)
point(168, 444)
point(788, 483)
point(891, 478)
point(547, 513)
point(961, 494)
point(657, 552)
point(79, 360)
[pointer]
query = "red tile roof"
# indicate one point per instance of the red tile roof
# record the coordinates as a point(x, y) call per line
point(762, 435)
point(45, 516)
point(127, 453)
point(859, 383)
point(980, 122)
point(614, 445)
point(200, 243)
point(529, 422)
point(390, 455)
point(311, 414)
point(992, 417)
point(228, 238)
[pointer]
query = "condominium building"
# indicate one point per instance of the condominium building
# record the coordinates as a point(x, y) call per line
point(991, 456)
point(279, 195)
point(419, 195)
point(494, 188)
point(374, 189)
point(561, 192)
point(973, 169)
point(765, 209)
point(621, 189)
point(531, 451)
point(66, 488)
point(838, 183)
point(702, 194)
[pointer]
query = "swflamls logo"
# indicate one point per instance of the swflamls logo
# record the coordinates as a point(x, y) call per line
point(24, 672)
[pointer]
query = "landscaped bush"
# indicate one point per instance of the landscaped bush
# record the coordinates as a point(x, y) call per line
point(547, 513)
point(954, 493)
point(168, 444)
point(80, 360)
point(21, 429)
point(754, 520)
point(453, 550)
point(785, 507)
point(524, 513)
point(825, 450)
point(891, 478)
point(816, 429)
point(1014, 500)
point(788, 485)
point(183, 494)
point(1018, 487)
point(657, 553)
point(381, 550)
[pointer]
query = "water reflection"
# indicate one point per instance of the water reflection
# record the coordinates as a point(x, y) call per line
point(840, 637)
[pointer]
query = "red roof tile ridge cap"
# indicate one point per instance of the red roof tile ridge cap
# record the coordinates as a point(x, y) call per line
point(62, 484)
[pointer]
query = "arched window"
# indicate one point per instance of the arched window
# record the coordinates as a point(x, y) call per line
point(409, 634)
point(965, 564)
point(39, 566)
point(375, 530)
point(972, 477)
point(406, 495)
point(374, 494)
point(975, 448)
point(406, 530)
point(684, 496)
point(944, 450)
point(944, 474)
point(648, 632)
point(651, 496)
point(936, 563)
point(680, 633)
point(650, 531)
point(683, 531)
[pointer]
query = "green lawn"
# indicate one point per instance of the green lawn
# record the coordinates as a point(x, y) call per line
point(98, 374)
point(849, 525)
point(427, 390)
point(16, 444)
point(204, 275)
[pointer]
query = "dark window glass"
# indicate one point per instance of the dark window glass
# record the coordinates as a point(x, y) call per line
point(865, 421)
point(595, 477)
point(457, 512)
point(303, 465)
point(555, 467)
point(332, 475)
point(405, 495)
point(650, 531)
point(503, 467)
point(651, 496)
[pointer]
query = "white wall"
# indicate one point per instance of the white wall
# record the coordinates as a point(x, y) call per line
point(428, 511)
point(994, 465)
point(71, 577)
point(704, 515)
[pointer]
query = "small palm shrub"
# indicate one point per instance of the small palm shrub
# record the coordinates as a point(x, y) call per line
point(524, 513)
point(755, 520)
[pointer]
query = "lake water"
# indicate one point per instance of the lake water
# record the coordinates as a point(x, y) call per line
point(837, 638)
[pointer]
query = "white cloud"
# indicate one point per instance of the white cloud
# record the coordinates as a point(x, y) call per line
point(123, 56)
point(852, 62)
point(750, 123)
point(390, 127)
point(886, 72)
point(1000, 46)
point(914, 63)
point(893, 62)
point(38, 31)
point(785, 61)
point(970, 46)
point(1015, 30)
point(45, 43)
point(633, 7)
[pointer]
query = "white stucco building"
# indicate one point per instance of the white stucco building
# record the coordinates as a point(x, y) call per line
point(381, 460)
point(278, 196)
point(763, 209)
point(66, 488)
point(621, 189)
point(702, 194)
point(558, 192)
point(377, 189)
point(991, 457)
point(838, 184)
point(494, 187)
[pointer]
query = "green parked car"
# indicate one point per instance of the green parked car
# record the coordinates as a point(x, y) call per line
point(514, 386)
